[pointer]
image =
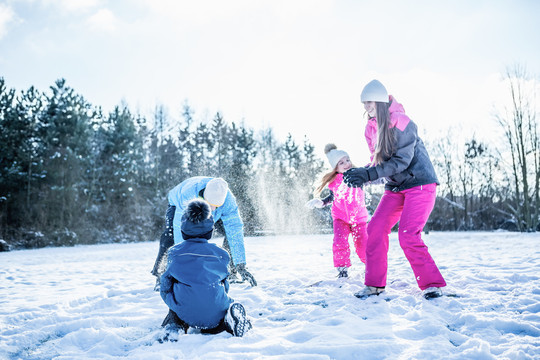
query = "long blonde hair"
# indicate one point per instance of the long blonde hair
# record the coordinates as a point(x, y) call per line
point(386, 137)
point(326, 179)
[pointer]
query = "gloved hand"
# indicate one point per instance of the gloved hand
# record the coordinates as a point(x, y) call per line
point(315, 203)
point(245, 274)
point(359, 176)
point(157, 286)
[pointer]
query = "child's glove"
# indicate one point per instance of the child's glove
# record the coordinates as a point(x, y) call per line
point(314, 203)
point(245, 274)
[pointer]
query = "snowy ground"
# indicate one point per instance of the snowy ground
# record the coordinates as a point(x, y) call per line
point(97, 302)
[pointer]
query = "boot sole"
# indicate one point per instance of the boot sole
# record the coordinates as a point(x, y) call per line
point(432, 295)
point(240, 321)
point(364, 296)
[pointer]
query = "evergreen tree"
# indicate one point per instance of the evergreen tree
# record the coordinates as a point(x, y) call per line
point(29, 109)
point(292, 157)
point(241, 173)
point(118, 162)
point(9, 168)
point(67, 124)
point(21, 164)
point(202, 159)
point(186, 144)
point(221, 137)
point(10, 137)
point(310, 167)
point(156, 141)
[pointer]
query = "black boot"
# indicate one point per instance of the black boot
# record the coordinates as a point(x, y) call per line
point(343, 272)
point(174, 322)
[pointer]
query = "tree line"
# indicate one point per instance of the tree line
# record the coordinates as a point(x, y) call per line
point(70, 174)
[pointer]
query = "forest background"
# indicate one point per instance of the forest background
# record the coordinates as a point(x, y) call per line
point(70, 174)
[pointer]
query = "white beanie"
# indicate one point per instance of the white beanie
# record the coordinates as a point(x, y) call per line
point(334, 155)
point(216, 191)
point(374, 91)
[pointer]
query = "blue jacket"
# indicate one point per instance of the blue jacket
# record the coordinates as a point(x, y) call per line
point(189, 189)
point(195, 284)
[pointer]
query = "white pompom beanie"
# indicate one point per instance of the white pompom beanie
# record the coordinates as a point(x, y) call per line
point(374, 91)
point(216, 192)
point(334, 155)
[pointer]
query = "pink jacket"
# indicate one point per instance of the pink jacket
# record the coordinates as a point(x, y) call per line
point(349, 203)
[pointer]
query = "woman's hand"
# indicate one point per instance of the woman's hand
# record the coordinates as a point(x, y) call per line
point(355, 177)
point(359, 176)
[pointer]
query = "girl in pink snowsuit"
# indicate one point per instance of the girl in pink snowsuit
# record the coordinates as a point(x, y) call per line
point(398, 155)
point(349, 211)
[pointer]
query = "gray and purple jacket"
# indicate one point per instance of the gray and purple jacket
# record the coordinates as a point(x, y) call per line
point(410, 165)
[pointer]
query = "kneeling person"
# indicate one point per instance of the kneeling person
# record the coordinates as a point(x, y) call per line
point(194, 285)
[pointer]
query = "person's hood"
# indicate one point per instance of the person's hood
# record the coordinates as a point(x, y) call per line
point(397, 112)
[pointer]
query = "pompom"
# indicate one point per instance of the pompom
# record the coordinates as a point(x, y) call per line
point(197, 211)
point(329, 147)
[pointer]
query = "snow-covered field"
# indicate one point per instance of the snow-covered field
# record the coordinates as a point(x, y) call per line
point(97, 302)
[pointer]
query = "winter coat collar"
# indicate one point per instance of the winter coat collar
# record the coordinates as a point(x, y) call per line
point(397, 116)
point(197, 240)
point(395, 108)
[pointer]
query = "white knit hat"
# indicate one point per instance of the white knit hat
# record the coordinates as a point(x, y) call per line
point(334, 155)
point(374, 91)
point(216, 191)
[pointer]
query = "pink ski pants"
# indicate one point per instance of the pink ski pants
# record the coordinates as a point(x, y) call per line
point(411, 208)
point(340, 247)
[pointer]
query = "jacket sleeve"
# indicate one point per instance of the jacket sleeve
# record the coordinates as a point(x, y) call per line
point(234, 229)
point(179, 197)
point(166, 289)
point(400, 161)
point(225, 281)
point(329, 199)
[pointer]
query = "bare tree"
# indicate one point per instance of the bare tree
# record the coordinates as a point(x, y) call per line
point(444, 159)
point(535, 141)
point(521, 135)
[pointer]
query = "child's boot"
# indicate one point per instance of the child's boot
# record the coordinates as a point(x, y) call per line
point(173, 322)
point(343, 272)
point(237, 320)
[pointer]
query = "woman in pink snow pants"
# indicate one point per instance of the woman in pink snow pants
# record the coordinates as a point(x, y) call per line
point(349, 211)
point(398, 155)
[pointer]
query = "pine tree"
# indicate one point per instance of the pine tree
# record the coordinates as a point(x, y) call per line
point(186, 143)
point(20, 160)
point(8, 140)
point(9, 168)
point(120, 171)
point(241, 174)
point(67, 123)
point(221, 138)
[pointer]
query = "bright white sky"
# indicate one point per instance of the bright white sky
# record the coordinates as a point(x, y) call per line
point(295, 66)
